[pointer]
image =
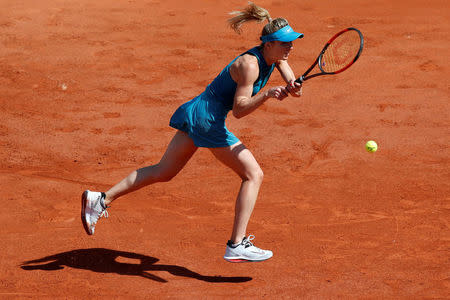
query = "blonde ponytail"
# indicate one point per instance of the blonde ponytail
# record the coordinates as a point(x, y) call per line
point(251, 13)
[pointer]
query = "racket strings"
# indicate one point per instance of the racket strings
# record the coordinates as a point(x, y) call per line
point(341, 52)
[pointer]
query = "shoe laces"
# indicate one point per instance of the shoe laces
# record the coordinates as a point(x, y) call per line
point(247, 241)
point(104, 214)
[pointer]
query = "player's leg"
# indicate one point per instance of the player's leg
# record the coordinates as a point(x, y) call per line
point(242, 161)
point(177, 154)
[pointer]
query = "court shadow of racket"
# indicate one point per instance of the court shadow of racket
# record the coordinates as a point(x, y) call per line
point(106, 261)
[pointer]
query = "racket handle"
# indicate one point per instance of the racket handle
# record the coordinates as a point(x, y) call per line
point(300, 79)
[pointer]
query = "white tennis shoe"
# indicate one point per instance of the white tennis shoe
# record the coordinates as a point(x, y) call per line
point(246, 251)
point(92, 208)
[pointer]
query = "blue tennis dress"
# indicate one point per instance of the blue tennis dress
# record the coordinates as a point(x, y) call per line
point(203, 118)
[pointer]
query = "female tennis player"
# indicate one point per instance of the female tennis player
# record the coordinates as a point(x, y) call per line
point(200, 122)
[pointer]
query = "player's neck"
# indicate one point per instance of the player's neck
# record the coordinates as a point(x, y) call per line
point(267, 57)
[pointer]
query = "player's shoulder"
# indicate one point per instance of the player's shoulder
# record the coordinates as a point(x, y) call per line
point(248, 58)
point(246, 63)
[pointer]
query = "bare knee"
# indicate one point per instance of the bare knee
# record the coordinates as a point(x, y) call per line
point(255, 176)
point(152, 174)
point(165, 174)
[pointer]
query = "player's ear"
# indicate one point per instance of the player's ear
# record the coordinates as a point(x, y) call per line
point(269, 45)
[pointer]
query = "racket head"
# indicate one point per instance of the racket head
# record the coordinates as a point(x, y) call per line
point(341, 51)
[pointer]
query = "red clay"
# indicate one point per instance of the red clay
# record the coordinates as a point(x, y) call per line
point(342, 223)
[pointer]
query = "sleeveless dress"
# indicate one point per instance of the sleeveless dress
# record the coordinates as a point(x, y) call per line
point(203, 117)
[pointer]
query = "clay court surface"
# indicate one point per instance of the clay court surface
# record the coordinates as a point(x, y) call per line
point(87, 91)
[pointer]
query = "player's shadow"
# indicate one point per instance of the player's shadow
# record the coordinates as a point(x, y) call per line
point(106, 261)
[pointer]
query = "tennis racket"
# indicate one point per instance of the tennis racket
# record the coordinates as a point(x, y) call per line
point(338, 54)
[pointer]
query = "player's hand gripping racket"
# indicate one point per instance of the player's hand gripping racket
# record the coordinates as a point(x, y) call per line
point(339, 53)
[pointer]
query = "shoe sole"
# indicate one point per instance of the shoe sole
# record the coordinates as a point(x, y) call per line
point(243, 260)
point(83, 212)
point(238, 260)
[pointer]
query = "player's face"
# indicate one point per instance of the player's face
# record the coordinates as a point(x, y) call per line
point(282, 49)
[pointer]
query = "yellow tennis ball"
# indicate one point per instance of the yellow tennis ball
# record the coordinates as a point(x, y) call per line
point(371, 146)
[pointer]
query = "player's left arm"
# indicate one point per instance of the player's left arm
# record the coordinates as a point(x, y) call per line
point(294, 88)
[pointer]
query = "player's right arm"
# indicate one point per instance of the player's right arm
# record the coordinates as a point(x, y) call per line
point(245, 71)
